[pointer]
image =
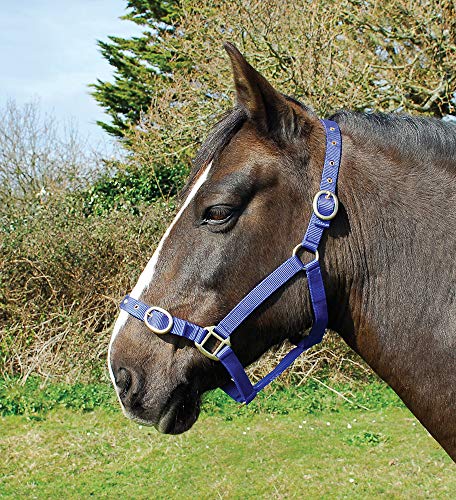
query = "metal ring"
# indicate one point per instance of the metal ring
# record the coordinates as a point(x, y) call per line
point(299, 246)
point(158, 331)
point(315, 205)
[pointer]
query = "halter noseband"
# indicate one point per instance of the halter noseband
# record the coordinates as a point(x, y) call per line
point(325, 206)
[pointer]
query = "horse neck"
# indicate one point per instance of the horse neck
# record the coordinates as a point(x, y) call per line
point(390, 249)
point(391, 276)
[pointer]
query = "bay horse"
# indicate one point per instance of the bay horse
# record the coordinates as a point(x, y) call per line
point(387, 262)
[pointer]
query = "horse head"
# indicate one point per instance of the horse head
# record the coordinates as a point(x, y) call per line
point(245, 208)
point(247, 205)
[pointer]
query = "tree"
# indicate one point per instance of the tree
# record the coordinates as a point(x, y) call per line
point(394, 56)
point(39, 157)
point(138, 63)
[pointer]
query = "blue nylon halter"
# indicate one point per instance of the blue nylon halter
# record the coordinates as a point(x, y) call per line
point(325, 206)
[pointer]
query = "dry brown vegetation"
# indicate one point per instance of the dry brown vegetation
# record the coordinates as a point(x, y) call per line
point(61, 276)
point(62, 272)
point(364, 55)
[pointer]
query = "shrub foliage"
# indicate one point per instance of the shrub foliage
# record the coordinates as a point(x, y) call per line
point(385, 56)
point(71, 252)
point(61, 275)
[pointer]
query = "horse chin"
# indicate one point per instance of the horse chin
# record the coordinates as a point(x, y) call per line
point(178, 417)
point(178, 414)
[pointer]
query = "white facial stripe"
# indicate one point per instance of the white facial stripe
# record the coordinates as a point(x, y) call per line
point(147, 275)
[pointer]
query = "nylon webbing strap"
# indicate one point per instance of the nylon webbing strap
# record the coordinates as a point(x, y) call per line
point(240, 388)
point(161, 321)
point(325, 203)
point(315, 336)
point(258, 295)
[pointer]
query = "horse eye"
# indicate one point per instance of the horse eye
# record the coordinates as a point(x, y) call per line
point(218, 214)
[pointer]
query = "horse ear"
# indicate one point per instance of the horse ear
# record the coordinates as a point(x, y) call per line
point(266, 107)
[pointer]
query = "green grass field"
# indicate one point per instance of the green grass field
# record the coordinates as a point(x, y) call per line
point(300, 443)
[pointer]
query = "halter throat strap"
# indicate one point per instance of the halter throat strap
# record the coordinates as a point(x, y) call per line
point(325, 205)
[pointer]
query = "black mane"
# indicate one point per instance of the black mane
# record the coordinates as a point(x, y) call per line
point(423, 140)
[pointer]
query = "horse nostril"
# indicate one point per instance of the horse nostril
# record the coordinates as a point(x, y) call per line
point(123, 381)
point(129, 385)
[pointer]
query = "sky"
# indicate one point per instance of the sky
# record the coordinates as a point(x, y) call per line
point(50, 55)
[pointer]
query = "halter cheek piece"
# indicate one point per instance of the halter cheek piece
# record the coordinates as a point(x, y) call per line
point(325, 206)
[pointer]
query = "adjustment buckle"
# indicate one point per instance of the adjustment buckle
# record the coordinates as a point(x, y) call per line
point(212, 333)
point(158, 331)
point(329, 194)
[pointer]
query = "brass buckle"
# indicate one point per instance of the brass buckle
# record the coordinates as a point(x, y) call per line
point(212, 333)
point(329, 194)
point(158, 331)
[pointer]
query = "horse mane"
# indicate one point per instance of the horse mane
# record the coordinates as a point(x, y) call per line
point(422, 140)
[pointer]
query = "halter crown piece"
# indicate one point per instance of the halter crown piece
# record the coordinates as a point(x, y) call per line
point(325, 206)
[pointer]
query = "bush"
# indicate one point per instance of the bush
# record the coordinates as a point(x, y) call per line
point(61, 276)
point(70, 251)
point(130, 187)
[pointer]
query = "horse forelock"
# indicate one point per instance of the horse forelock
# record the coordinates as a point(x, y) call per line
point(220, 135)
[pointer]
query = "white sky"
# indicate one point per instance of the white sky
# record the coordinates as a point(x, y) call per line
point(49, 53)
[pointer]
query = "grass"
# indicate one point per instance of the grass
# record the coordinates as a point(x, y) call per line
point(304, 442)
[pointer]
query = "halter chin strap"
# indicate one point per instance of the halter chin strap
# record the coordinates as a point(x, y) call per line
point(214, 341)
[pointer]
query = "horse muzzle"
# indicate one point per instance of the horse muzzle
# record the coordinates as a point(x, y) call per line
point(171, 410)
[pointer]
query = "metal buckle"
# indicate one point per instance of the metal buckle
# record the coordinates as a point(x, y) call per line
point(223, 342)
point(158, 331)
point(299, 247)
point(328, 195)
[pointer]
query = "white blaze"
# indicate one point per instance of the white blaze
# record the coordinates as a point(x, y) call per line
point(148, 274)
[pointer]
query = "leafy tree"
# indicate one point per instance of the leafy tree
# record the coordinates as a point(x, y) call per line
point(138, 62)
point(143, 66)
point(173, 81)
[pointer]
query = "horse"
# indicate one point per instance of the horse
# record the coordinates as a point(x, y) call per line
point(387, 260)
